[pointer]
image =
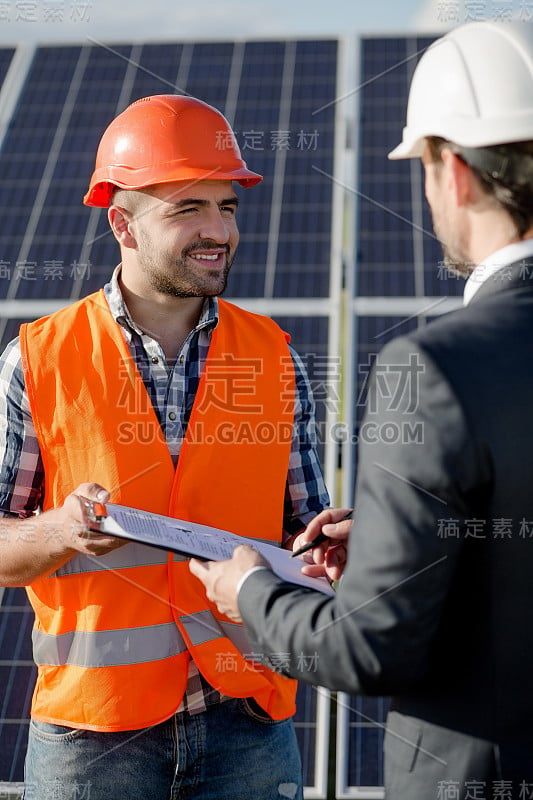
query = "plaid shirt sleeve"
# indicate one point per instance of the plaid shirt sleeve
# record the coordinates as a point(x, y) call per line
point(305, 493)
point(21, 467)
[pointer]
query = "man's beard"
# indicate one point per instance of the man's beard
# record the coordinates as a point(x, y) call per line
point(183, 281)
point(455, 257)
point(456, 263)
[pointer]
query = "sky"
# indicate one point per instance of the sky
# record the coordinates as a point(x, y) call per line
point(56, 21)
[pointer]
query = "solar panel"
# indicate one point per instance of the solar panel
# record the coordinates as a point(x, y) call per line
point(17, 678)
point(360, 734)
point(56, 250)
point(311, 724)
point(393, 216)
point(6, 54)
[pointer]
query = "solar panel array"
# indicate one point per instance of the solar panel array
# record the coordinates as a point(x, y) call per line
point(268, 90)
point(280, 97)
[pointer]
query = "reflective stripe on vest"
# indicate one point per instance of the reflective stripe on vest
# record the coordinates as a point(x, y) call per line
point(203, 627)
point(78, 369)
point(131, 555)
point(107, 648)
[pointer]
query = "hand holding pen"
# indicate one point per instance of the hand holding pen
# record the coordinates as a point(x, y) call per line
point(331, 528)
point(321, 537)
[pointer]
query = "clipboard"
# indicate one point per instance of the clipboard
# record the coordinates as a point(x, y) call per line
point(190, 539)
point(93, 513)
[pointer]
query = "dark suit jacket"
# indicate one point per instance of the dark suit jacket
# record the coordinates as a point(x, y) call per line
point(436, 604)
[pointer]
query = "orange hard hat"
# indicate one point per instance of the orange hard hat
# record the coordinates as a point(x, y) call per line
point(166, 138)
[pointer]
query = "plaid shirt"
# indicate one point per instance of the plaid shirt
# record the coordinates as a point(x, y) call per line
point(172, 390)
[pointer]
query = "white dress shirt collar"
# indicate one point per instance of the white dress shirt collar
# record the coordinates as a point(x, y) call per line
point(501, 258)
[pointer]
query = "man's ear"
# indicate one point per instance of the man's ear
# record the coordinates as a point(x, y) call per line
point(461, 180)
point(121, 223)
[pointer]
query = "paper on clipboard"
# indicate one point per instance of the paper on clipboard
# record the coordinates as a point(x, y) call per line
point(200, 541)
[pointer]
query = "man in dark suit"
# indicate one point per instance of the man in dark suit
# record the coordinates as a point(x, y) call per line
point(434, 607)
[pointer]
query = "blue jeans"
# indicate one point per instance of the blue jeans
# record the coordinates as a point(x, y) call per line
point(231, 751)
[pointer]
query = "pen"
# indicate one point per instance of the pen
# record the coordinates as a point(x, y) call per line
point(317, 540)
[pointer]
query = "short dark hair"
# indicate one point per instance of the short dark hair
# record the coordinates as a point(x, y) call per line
point(504, 171)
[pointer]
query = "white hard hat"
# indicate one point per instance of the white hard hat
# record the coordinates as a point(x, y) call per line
point(473, 87)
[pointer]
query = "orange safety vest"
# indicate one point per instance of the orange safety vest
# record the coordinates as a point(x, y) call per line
point(114, 634)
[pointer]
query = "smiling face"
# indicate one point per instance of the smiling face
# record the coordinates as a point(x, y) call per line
point(183, 236)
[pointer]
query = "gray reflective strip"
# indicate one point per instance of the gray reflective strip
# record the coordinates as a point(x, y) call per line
point(131, 555)
point(108, 648)
point(237, 634)
point(203, 627)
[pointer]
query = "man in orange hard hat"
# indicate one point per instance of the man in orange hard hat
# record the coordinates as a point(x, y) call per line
point(144, 690)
